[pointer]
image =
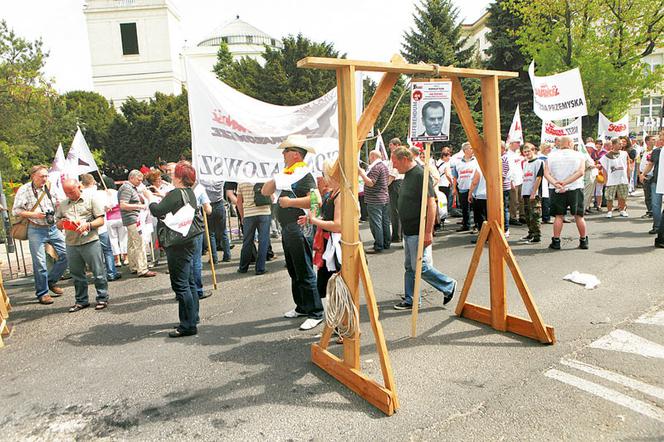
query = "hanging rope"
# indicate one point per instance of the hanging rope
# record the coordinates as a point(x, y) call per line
point(340, 306)
point(394, 109)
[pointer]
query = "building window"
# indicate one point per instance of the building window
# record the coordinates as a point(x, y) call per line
point(224, 39)
point(273, 42)
point(129, 38)
point(651, 107)
point(250, 39)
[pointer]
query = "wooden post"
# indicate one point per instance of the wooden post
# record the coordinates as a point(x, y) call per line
point(420, 242)
point(493, 175)
point(350, 231)
point(207, 238)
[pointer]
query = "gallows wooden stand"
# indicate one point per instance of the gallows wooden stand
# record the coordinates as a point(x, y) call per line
point(354, 268)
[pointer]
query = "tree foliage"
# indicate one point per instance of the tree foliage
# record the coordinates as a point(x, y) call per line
point(279, 81)
point(437, 38)
point(505, 54)
point(606, 39)
point(146, 132)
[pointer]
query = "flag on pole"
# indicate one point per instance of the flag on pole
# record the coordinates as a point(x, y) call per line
point(79, 157)
point(57, 173)
point(380, 146)
point(516, 131)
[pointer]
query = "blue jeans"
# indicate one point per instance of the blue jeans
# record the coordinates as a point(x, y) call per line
point(438, 280)
point(88, 254)
point(218, 232)
point(197, 264)
point(656, 205)
point(379, 223)
point(249, 226)
point(37, 238)
point(109, 259)
point(180, 260)
point(299, 261)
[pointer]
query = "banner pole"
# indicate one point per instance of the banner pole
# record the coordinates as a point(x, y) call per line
point(207, 238)
point(102, 179)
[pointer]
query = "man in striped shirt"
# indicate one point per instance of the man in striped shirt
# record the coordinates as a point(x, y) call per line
point(378, 201)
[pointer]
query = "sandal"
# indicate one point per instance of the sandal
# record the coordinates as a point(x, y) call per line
point(77, 307)
point(101, 305)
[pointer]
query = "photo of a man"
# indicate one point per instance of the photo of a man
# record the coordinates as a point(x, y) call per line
point(433, 116)
point(430, 105)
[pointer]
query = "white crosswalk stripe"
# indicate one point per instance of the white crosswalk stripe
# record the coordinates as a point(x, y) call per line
point(616, 397)
point(617, 378)
point(653, 318)
point(626, 342)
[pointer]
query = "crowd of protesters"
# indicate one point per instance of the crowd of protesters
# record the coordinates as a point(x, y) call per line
point(99, 228)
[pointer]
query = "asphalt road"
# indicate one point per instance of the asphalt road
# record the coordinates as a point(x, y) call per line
point(115, 374)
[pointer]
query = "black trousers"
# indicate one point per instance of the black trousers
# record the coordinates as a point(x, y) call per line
point(479, 212)
point(393, 190)
point(465, 208)
point(298, 252)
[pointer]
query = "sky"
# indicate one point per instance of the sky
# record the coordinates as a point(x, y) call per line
point(366, 29)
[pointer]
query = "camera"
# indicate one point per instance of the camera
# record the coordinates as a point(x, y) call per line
point(50, 217)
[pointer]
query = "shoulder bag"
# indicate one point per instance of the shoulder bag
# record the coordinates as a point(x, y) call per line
point(180, 227)
point(19, 229)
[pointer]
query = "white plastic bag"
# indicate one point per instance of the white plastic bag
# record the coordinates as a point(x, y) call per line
point(585, 279)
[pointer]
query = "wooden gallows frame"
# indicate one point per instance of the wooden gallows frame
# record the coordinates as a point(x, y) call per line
point(353, 266)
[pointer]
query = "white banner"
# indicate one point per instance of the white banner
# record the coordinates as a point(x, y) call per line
point(235, 137)
point(609, 129)
point(558, 96)
point(550, 132)
point(430, 110)
point(516, 131)
point(79, 157)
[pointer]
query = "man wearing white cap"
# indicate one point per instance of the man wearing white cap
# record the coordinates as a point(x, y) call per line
point(294, 185)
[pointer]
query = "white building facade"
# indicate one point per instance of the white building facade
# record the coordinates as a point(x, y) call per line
point(137, 47)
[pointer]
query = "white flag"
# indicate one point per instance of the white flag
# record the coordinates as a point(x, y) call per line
point(57, 173)
point(380, 146)
point(610, 129)
point(558, 96)
point(550, 132)
point(79, 157)
point(516, 131)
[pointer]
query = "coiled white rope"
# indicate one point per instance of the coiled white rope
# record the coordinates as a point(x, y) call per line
point(340, 306)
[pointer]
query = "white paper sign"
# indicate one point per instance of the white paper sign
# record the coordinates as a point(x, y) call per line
point(235, 137)
point(430, 109)
point(610, 129)
point(516, 131)
point(550, 132)
point(558, 96)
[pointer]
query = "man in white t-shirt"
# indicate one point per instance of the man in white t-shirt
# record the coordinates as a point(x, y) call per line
point(516, 161)
point(463, 172)
point(564, 171)
point(615, 169)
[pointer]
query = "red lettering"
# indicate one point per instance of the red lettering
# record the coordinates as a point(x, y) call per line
point(227, 121)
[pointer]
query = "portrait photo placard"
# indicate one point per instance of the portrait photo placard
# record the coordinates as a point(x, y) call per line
point(430, 109)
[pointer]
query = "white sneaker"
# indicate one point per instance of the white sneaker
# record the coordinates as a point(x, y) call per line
point(507, 234)
point(624, 214)
point(293, 314)
point(310, 323)
point(609, 214)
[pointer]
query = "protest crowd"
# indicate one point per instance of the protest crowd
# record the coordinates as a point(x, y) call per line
point(97, 227)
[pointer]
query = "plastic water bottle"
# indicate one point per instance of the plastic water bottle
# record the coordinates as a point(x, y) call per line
point(314, 206)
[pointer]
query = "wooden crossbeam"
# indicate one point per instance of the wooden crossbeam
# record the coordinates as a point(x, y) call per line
point(401, 68)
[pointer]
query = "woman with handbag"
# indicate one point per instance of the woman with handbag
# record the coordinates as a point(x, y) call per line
point(179, 226)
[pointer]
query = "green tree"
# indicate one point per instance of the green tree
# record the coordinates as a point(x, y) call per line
point(505, 54)
point(32, 115)
point(146, 132)
point(279, 81)
point(92, 112)
point(437, 38)
point(605, 39)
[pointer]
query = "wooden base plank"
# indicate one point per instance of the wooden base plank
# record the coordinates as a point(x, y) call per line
point(368, 389)
point(515, 324)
